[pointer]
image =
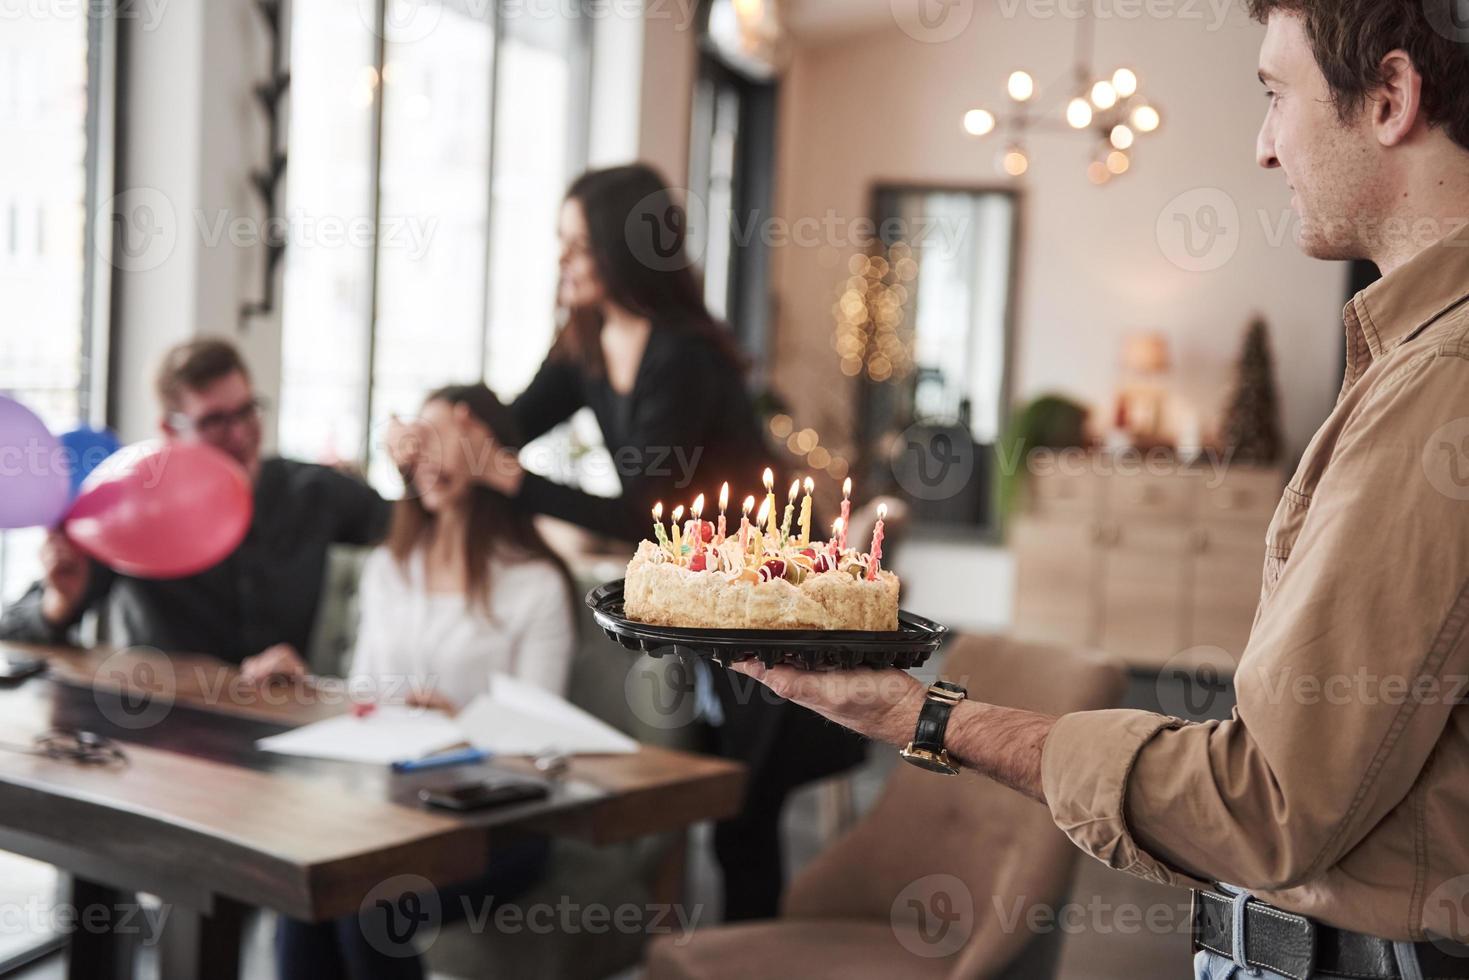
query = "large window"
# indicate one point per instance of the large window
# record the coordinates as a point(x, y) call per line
point(453, 130)
point(53, 135)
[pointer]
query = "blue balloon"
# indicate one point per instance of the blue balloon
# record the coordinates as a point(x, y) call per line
point(85, 448)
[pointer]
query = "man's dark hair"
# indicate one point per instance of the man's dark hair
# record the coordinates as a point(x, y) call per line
point(1350, 38)
point(194, 365)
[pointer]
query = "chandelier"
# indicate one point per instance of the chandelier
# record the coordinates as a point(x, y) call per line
point(1108, 109)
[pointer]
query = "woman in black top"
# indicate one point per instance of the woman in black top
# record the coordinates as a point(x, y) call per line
point(666, 384)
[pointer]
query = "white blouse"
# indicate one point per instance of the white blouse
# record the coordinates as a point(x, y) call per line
point(411, 639)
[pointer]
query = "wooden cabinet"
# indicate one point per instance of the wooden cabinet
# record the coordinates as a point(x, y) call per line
point(1145, 565)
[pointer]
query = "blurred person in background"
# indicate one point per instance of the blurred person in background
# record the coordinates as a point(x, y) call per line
point(666, 384)
point(463, 589)
point(257, 607)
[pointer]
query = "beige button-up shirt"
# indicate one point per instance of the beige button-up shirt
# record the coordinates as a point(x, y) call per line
point(1339, 788)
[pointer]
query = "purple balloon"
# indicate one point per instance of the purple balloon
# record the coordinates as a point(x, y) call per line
point(35, 487)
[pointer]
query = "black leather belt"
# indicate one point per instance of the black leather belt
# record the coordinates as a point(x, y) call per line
point(1300, 948)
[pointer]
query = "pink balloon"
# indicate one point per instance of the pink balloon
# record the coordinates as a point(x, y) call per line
point(162, 509)
point(33, 471)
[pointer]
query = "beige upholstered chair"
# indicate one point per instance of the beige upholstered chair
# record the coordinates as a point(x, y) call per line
point(937, 881)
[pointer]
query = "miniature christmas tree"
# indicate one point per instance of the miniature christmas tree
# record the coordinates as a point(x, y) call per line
point(1252, 425)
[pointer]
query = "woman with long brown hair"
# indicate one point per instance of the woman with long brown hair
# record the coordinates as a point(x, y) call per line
point(666, 383)
point(463, 589)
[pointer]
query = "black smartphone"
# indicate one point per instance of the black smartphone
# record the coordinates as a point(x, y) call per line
point(483, 794)
point(16, 666)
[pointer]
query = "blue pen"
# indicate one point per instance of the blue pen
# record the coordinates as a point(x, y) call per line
point(458, 758)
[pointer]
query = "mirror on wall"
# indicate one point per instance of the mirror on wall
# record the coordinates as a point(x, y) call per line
point(925, 326)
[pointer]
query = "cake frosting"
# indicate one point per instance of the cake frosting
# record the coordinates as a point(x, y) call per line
point(758, 583)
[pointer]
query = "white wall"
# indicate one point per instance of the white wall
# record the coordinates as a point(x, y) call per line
point(191, 134)
point(884, 106)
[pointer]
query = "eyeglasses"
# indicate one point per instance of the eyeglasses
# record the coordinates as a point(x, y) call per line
point(216, 424)
point(71, 745)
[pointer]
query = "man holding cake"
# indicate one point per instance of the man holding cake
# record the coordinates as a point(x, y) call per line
point(1334, 820)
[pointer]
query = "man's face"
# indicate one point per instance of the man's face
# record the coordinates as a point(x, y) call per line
point(223, 414)
point(1331, 168)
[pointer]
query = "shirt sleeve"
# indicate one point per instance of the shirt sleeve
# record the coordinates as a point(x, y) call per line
point(552, 397)
point(372, 655)
point(546, 639)
point(361, 514)
point(22, 621)
point(1346, 684)
point(666, 443)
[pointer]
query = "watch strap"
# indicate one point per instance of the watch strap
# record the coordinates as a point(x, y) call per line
point(933, 717)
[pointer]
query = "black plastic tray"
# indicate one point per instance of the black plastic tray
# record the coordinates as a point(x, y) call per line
point(910, 645)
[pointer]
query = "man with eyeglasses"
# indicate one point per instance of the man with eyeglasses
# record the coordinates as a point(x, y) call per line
point(257, 607)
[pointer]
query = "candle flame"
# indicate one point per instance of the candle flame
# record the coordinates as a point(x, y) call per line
point(882, 512)
point(809, 485)
point(847, 487)
point(764, 512)
point(836, 528)
point(769, 479)
point(698, 507)
point(795, 489)
point(724, 496)
point(748, 505)
point(678, 512)
point(658, 511)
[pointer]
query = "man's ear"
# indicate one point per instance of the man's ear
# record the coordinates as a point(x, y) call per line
point(1398, 102)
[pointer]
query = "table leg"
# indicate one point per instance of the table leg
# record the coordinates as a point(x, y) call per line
point(203, 945)
point(99, 953)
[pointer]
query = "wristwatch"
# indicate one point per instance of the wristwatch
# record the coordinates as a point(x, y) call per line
point(927, 751)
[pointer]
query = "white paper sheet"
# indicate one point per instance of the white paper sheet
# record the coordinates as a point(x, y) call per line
point(390, 733)
point(516, 718)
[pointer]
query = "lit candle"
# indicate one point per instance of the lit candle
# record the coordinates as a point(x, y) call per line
point(698, 511)
point(882, 511)
point(837, 527)
point(785, 521)
point(808, 486)
point(846, 511)
point(749, 505)
point(658, 524)
point(677, 532)
point(769, 506)
point(723, 503)
point(767, 512)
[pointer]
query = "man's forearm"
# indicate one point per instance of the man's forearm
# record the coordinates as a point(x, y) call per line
point(1004, 744)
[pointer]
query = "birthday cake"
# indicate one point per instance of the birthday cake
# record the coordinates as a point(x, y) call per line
point(764, 576)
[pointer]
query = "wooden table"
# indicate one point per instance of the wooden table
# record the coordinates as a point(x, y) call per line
point(201, 818)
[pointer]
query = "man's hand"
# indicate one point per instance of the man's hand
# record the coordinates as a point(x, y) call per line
point(881, 704)
point(1002, 743)
point(65, 573)
point(281, 660)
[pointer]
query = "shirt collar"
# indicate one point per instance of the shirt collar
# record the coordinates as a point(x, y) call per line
point(1397, 306)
